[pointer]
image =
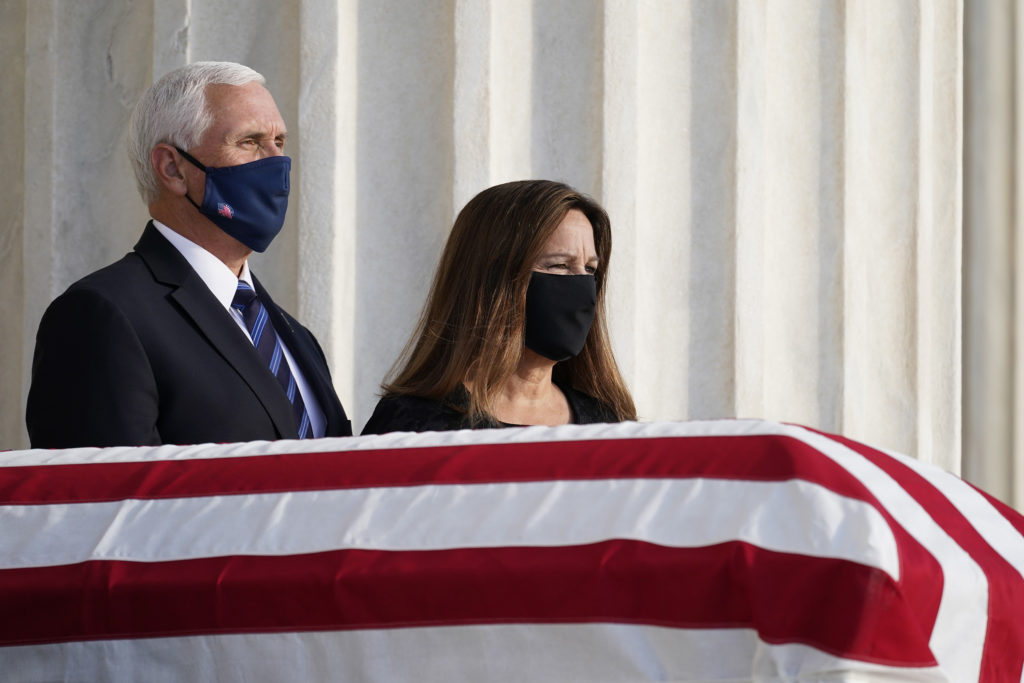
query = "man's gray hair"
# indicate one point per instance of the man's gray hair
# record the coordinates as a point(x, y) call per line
point(173, 110)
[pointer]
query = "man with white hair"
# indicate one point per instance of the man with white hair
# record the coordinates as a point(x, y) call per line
point(177, 342)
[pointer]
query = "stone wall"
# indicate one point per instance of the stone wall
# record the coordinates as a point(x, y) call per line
point(784, 180)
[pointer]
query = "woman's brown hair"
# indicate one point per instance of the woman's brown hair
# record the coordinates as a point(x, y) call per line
point(471, 329)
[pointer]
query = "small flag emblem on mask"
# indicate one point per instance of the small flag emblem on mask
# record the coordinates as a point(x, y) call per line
point(225, 210)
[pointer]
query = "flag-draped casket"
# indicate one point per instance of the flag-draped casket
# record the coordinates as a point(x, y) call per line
point(704, 551)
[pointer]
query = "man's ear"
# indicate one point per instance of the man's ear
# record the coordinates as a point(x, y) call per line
point(167, 166)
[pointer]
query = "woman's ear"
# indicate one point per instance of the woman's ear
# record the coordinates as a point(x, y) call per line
point(167, 166)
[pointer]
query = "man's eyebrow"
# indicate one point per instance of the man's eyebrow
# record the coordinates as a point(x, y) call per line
point(255, 133)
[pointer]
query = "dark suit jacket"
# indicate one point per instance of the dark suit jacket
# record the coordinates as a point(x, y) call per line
point(141, 353)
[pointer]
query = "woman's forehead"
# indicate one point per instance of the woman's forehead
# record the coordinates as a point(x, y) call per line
point(573, 233)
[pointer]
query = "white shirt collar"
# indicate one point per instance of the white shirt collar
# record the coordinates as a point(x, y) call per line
point(210, 269)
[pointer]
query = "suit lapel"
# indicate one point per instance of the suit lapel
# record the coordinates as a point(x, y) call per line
point(216, 325)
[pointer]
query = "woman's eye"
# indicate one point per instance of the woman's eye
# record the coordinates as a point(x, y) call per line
point(591, 270)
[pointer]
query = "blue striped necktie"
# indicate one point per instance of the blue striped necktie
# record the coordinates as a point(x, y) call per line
point(268, 345)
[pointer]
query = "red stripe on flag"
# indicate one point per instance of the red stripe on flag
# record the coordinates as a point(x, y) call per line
point(839, 607)
point(754, 458)
point(1003, 656)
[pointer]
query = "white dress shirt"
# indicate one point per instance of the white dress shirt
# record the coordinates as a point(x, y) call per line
point(223, 283)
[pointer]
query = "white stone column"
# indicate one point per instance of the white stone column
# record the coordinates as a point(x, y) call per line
point(171, 39)
point(702, 220)
point(939, 339)
point(800, 301)
point(12, 219)
point(326, 183)
point(1016, 496)
point(619, 166)
point(81, 210)
point(993, 287)
point(38, 235)
point(404, 167)
point(668, 182)
point(750, 317)
point(902, 232)
point(492, 95)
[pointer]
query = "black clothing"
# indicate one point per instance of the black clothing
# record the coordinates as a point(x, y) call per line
point(142, 353)
point(403, 413)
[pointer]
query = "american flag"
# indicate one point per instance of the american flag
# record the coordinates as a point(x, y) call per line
point(729, 550)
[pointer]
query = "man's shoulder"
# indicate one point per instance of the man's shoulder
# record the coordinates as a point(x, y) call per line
point(125, 279)
point(153, 260)
point(128, 267)
point(113, 297)
point(128, 284)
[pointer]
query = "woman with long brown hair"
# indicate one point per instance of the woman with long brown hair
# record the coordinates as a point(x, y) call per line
point(513, 331)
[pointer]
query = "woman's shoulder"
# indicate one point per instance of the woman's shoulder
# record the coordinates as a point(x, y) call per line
point(585, 408)
point(407, 413)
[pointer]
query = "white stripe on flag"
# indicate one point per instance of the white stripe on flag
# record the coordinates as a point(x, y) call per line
point(792, 516)
point(539, 653)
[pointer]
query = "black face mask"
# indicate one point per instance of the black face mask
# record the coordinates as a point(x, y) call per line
point(559, 312)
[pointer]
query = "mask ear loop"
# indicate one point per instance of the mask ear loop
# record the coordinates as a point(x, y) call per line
point(195, 162)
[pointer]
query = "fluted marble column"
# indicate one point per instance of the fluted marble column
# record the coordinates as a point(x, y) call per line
point(786, 178)
point(12, 220)
point(81, 75)
point(993, 250)
point(783, 179)
point(327, 181)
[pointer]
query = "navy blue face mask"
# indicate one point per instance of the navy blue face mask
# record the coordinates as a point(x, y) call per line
point(248, 201)
point(559, 312)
